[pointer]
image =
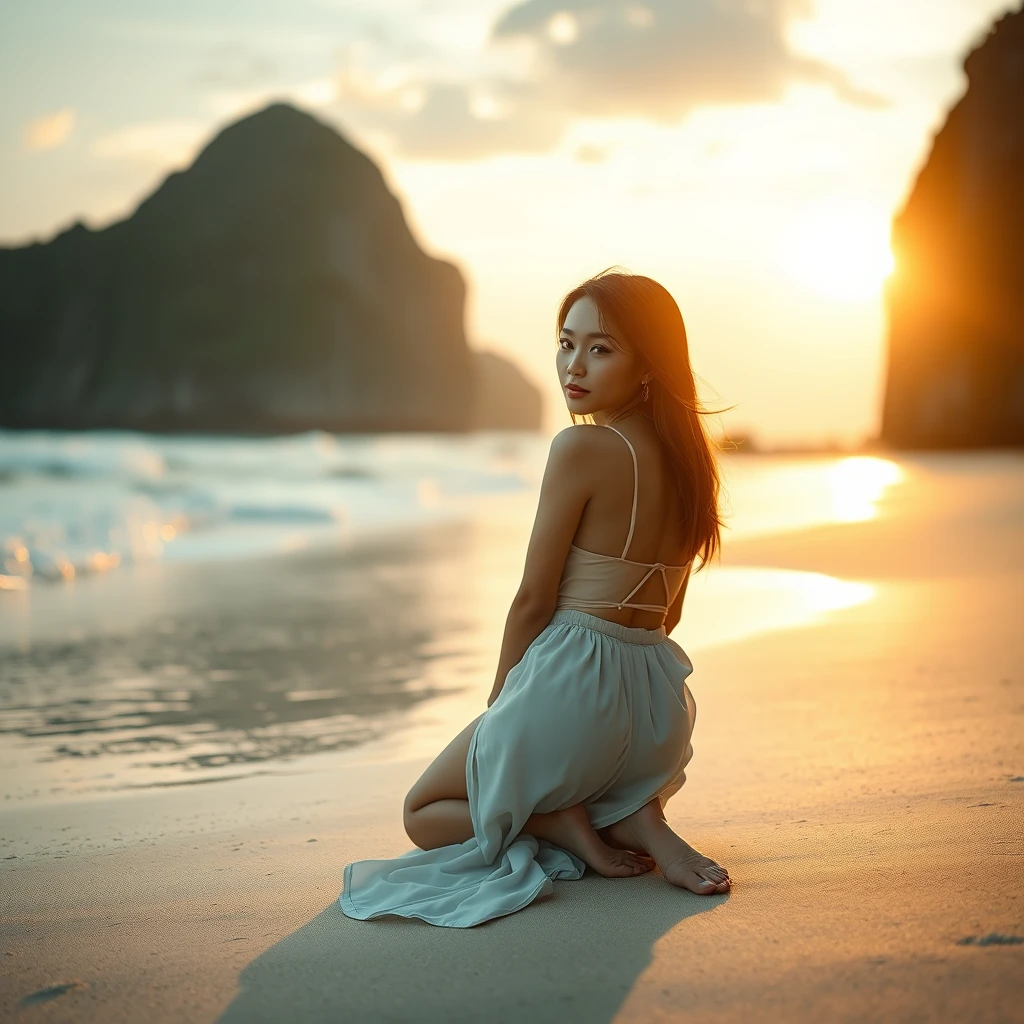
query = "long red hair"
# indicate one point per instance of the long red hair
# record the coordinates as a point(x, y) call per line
point(646, 317)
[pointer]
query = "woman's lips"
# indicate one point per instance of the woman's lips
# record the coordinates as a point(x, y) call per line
point(575, 392)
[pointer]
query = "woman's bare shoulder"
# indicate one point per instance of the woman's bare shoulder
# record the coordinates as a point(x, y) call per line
point(581, 440)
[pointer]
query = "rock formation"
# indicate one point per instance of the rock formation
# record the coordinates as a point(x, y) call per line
point(272, 286)
point(505, 399)
point(956, 300)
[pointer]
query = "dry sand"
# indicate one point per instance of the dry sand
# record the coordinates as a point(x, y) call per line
point(862, 778)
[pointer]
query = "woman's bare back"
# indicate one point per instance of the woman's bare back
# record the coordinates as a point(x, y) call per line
point(658, 530)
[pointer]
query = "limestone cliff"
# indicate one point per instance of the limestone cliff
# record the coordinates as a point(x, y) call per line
point(956, 300)
point(505, 399)
point(272, 286)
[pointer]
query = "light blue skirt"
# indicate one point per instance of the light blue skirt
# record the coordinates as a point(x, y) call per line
point(594, 713)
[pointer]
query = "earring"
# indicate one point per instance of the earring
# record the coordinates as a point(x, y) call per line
point(646, 391)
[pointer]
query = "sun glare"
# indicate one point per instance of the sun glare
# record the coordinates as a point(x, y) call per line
point(858, 486)
point(840, 253)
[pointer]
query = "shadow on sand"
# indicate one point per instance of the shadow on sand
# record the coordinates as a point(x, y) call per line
point(573, 955)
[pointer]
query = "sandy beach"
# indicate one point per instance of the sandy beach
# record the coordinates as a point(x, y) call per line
point(861, 775)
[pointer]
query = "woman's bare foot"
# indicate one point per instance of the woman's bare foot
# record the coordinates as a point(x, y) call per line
point(646, 830)
point(571, 829)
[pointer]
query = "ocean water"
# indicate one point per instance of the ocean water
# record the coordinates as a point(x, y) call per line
point(182, 610)
point(74, 504)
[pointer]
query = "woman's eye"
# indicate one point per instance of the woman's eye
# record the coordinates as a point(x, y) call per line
point(600, 348)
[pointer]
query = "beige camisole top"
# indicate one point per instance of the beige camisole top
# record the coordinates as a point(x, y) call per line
point(592, 580)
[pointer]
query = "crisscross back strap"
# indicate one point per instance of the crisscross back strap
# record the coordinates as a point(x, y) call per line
point(650, 572)
point(632, 514)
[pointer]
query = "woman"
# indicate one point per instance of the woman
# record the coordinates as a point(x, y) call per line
point(587, 731)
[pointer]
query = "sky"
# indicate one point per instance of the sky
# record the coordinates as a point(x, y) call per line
point(748, 154)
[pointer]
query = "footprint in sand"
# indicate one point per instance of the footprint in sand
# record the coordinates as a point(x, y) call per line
point(992, 939)
point(44, 995)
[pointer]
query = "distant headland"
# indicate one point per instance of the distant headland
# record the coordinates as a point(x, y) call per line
point(273, 286)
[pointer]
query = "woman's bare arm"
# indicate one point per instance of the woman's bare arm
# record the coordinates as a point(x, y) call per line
point(565, 490)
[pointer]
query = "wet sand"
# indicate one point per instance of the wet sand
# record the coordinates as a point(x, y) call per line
point(861, 776)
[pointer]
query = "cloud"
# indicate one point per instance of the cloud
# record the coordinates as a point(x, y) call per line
point(452, 121)
point(661, 58)
point(158, 143)
point(50, 131)
point(656, 60)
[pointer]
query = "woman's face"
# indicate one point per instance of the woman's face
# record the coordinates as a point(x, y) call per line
point(607, 372)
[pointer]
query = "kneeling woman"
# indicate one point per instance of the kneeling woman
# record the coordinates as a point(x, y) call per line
point(588, 726)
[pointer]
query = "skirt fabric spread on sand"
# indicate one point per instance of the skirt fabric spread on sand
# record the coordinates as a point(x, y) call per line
point(594, 713)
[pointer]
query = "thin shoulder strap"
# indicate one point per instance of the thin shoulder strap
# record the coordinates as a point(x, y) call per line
point(632, 514)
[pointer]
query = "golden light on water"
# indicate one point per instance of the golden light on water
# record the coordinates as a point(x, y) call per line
point(857, 485)
point(735, 603)
point(783, 495)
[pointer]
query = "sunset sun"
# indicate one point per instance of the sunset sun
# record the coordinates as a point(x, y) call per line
point(840, 253)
